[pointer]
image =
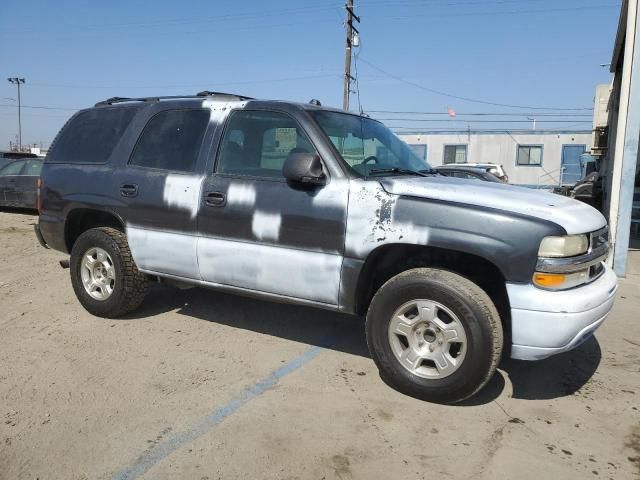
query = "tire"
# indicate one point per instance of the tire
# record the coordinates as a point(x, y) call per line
point(126, 285)
point(464, 336)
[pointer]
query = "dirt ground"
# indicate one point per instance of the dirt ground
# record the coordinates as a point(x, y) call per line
point(203, 385)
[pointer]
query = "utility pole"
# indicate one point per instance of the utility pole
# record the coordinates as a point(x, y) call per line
point(347, 58)
point(17, 81)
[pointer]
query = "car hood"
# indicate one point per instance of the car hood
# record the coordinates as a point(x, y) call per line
point(572, 215)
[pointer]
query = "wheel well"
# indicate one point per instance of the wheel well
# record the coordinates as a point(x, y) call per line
point(82, 219)
point(390, 260)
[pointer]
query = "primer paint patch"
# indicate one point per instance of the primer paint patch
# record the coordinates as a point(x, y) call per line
point(183, 191)
point(241, 194)
point(266, 226)
point(333, 195)
point(280, 270)
point(371, 221)
point(165, 252)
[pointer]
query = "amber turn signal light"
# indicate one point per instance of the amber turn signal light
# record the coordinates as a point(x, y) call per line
point(549, 280)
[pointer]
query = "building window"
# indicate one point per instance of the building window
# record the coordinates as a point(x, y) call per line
point(455, 154)
point(420, 149)
point(529, 155)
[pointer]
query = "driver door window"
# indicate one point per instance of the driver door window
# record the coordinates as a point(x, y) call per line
point(257, 144)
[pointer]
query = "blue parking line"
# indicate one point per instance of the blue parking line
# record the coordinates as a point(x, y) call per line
point(202, 426)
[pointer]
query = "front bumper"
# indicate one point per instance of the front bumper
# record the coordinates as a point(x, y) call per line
point(545, 323)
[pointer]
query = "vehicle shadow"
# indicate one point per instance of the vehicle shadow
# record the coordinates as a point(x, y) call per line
point(558, 376)
point(20, 210)
point(311, 326)
point(555, 377)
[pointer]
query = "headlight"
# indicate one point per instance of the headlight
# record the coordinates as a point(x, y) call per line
point(567, 246)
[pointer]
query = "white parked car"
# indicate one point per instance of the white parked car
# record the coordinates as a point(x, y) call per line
point(497, 170)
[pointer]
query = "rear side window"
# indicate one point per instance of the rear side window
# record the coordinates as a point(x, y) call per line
point(91, 136)
point(171, 140)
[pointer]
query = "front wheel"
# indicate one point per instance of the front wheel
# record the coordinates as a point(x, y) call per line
point(434, 335)
point(103, 274)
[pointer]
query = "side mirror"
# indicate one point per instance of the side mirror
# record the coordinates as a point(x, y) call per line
point(304, 168)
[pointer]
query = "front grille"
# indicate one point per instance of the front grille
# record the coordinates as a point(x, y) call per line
point(595, 271)
point(599, 238)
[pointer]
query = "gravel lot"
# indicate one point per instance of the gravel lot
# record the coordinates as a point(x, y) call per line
point(203, 385)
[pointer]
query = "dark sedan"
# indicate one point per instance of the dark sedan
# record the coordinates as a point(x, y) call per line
point(19, 183)
point(468, 172)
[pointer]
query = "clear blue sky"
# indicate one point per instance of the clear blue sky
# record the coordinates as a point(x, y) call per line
point(543, 53)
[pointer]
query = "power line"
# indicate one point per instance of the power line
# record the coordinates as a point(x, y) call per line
point(491, 114)
point(42, 107)
point(196, 85)
point(416, 131)
point(510, 12)
point(185, 21)
point(436, 3)
point(29, 114)
point(458, 97)
point(427, 120)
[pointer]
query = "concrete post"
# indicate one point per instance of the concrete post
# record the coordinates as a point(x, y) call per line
point(626, 150)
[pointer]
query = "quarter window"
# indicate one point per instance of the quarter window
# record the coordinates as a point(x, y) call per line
point(258, 143)
point(455, 154)
point(529, 155)
point(171, 140)
point(91, 136)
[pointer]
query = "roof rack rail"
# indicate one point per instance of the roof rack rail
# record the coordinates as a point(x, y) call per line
point(208, 93)
point(205, 93)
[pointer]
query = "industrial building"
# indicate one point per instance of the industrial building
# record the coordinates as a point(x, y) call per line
point(534, 158)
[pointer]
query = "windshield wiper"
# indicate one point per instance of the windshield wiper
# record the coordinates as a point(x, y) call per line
point(405, 171)
point(431, 171)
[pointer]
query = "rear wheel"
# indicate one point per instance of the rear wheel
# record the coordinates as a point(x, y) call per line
point(103, 274)
point(434, 335)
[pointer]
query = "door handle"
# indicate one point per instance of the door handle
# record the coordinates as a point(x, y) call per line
point(215, 199)
point(129, 190)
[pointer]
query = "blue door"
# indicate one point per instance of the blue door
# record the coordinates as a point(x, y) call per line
point(571, 166)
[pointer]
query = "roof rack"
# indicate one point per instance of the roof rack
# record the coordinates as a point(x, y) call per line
point(205, 93)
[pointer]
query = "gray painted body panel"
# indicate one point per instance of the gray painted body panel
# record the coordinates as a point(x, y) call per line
point(508, 240)
point(272, 237)
point(572, 215)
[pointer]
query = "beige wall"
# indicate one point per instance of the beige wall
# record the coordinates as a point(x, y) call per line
point(501, 148)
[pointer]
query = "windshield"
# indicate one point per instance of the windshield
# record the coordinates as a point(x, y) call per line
point(367, 146)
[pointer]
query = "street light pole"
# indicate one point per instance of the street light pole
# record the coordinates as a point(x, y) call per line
point(17, 81)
